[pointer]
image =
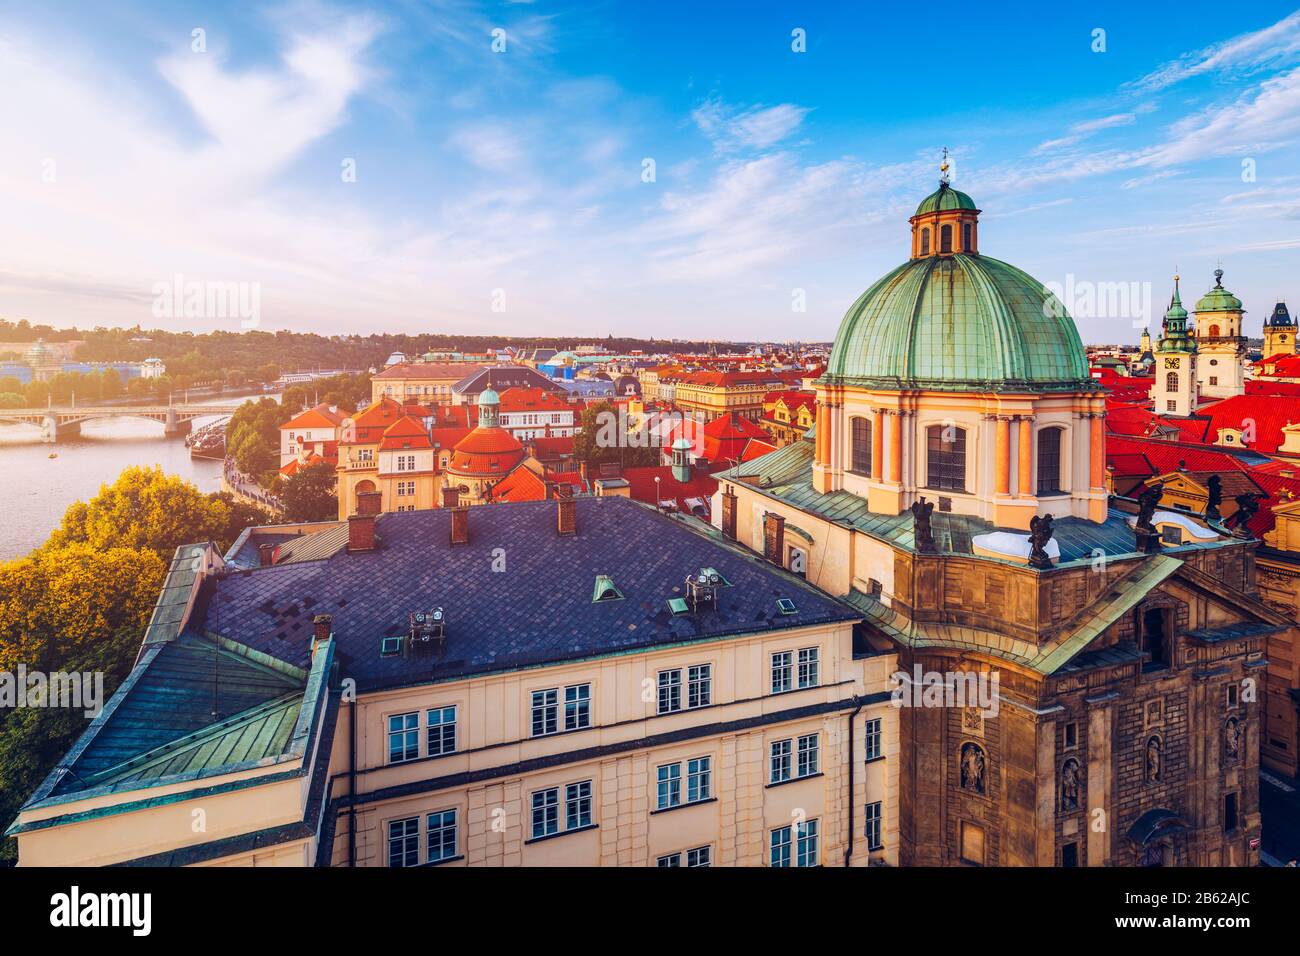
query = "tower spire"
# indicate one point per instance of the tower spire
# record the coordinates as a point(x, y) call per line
point(943, 170)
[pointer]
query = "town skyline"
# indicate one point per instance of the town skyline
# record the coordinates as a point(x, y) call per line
point(387, 170)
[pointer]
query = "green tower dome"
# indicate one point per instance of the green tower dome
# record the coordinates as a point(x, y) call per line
point(943, 199)
point(1218, 299)
point(959, 322)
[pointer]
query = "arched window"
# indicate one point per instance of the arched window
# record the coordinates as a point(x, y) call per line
point(966, 237)
point(861, 453)
point(1171, 382)
point(945, 239)
point(1049, 461)
point(925, 242)
point(945, 458)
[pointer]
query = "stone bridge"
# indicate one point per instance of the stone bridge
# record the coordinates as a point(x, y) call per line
point(56, 420)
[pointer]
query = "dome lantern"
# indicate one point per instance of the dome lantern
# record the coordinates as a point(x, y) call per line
point(946, 222)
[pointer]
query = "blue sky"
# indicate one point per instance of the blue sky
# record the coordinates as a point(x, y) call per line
point(504, 191)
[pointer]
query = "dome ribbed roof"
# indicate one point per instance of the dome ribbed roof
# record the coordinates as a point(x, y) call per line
point(944, 198)
point(959, 323)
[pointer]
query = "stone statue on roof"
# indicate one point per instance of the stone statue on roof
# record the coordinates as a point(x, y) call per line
point(921, 511)
point(1147, 502)
point(1040, 532)
point(1215, 498)
point(1247, 506)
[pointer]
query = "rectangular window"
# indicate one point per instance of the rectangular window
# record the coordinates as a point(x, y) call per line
point(871, 740)
point(699, 685)
point(1070, 855)
point(808, 755)
point(1232, 696)
point(946, 458)
point(441, 731)
point(546, 812)
point(577, 707)
point(670, 691)
point(1049, 460)
point(698, 779)
point(860, 462)
point(404, 842)
point(780, 855)
point(577, 805)
point(782, 671)
point(403, 737)
point(1071, 735)
point(1229, 812)
point(669, 785)
point(807, 843)
point(546, 712)
point(1171, 534)
point(700, 856)
point(780, 763)
point(671, 859)
point(809, 675)
point(441, 835)
point(872, 830)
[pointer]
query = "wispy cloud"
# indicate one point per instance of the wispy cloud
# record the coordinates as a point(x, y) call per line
point(757, 127)
point(1273, 46)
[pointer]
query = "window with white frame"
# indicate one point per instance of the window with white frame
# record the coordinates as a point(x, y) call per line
point(577, 706)
point(807, 850)
point(698, 779)
point(546, 812)
point(404, 842)
point(669, 859)
point(780, 847)
point(809, 672)
point(668, 785)
point(699, 685)
point(700, 856)
point(872, 829)
point(808, 752)
point(440, 835)
point(871, 741)
point(670, 691)
point(546, 712)
point(780, 762)
point(782, 671)
point(577, 805)
point(403, 737)
point(440, 731)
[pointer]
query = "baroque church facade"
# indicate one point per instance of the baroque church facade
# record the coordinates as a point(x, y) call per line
point(952, 489)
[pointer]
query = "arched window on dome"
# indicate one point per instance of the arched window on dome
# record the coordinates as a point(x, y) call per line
point(1171, 382)
point(967, 237)
point(925, 242)
point(945, 238)
point(945, 458)
point(860, 430)
point(1049, 461)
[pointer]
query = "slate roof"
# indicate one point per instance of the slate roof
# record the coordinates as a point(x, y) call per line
point(537, 611)
point(502, 377)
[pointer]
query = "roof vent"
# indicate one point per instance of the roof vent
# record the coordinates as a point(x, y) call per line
point(605, 590)
point(786, 606)
point(426, 630)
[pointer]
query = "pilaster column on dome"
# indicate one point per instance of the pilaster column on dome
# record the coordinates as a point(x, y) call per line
point(821, 456)
point(895, 418)
point(885, 495)
point(877, 444)
point(1096, 451)
point(1024, 470)
point(1002, 455)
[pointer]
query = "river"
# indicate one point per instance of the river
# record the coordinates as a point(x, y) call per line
point(36, 489)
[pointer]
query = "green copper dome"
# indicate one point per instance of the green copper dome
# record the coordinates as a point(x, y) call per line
point(959, 323)
point(1218, 299)
point(945, 198)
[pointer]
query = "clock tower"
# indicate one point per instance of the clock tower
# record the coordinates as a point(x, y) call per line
point(1175, 389)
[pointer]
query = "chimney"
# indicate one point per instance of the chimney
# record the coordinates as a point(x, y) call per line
point(361, 526)
point(450, 497)
point(729, 512)
point(266, 554)
point(460, 524)
point(324, 628)
point(774, 538)
point(369, 503)
point(566, 514)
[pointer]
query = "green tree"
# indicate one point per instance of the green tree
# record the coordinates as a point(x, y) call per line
point(600, 439)
point(309, 494)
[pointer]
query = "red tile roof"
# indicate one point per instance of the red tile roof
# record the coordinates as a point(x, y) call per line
point(427, 370)
point(406, 432)
point(323, 415)
point(641, 484)
point(1269, 414)
point(519, 399)
point(371, 422)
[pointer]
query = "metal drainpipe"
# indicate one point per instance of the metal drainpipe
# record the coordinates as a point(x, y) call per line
point(352, 783)
point(853, 759)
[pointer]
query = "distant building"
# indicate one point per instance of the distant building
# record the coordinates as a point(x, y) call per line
point(152, 368)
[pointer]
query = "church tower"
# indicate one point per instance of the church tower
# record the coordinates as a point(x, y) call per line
point(1175, 390)
point(1279, 332)
point(1220, 344)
